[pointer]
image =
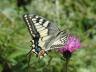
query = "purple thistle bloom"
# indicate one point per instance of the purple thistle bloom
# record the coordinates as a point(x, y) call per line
point(71, 45)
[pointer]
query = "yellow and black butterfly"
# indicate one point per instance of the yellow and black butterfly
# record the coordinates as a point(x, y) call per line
point(45, 35)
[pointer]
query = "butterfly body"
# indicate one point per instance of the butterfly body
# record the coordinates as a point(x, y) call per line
point(37, 49)
point(45, 35)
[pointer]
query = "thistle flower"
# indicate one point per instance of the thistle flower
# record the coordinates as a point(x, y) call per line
point(71, 45)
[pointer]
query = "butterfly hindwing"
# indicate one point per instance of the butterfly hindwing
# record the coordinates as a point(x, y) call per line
point(59, 41)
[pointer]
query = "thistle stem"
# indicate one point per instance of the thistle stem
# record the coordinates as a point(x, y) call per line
point(66, 65)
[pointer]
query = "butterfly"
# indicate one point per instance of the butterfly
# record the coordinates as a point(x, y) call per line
point(45, 35)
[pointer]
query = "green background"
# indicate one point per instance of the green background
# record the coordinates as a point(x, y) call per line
point(76, 16)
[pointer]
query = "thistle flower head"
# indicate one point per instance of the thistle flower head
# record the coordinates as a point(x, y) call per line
point(71, 45)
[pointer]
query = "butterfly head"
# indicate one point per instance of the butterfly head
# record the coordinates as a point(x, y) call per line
point(39, 52)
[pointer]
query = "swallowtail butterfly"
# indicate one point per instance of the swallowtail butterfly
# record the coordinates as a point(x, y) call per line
point(45, 35)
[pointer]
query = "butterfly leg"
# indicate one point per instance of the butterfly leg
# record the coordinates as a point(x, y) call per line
point(29, 58)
